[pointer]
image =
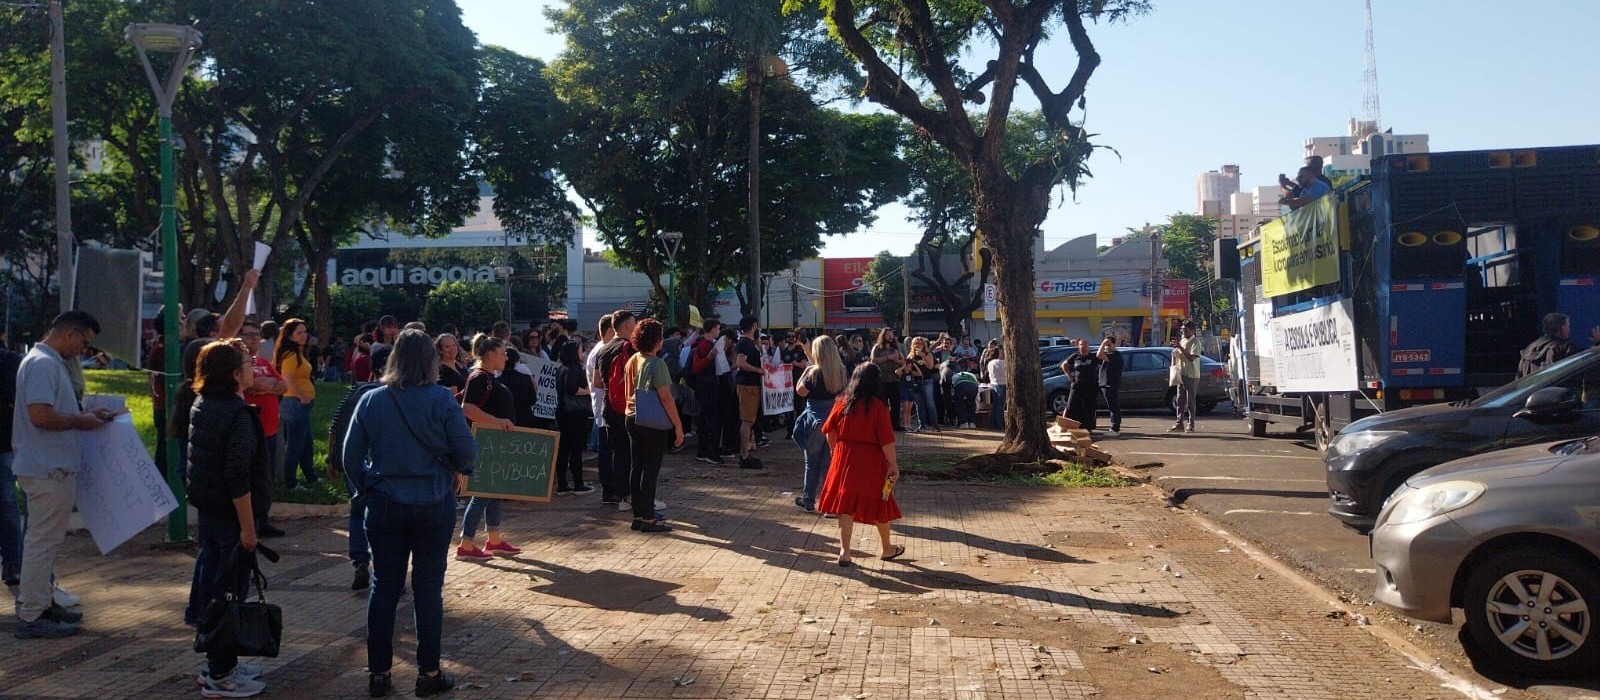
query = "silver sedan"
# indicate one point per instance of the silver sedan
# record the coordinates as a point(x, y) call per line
point(1513, 539)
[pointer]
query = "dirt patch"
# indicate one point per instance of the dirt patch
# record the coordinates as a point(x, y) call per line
point(1113, 664)
point(995, 466)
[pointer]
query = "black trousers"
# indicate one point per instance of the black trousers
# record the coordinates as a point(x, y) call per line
point(890, 391)
point(649, 445)
point(621, 454)
point(708, 425)
point(569, 460)
point(729, 402)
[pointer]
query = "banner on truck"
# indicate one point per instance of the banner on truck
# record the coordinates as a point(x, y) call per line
point(1300, 250)
point(1315, 350)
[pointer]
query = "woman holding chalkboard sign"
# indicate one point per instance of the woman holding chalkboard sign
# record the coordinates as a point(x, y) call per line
point(408, 452)
point(652, 422)
point(487, 401)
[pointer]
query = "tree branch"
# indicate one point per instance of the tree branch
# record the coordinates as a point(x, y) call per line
point(889, 88)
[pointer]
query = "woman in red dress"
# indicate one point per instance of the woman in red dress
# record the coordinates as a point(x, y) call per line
point(864, 469)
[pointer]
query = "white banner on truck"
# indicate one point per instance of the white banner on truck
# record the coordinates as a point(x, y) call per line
point(1315, 350)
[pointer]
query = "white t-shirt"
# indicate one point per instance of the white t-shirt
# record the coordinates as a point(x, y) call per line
point(597, 394)
point(997, 372)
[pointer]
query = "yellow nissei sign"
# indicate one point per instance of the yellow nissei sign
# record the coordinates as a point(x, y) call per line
point(1300, 250)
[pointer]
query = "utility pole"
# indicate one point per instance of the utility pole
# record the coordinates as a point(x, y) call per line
point(794, 299)
point(905, 293)
point(756, 79)
point(1157, 284)
point(67, 278)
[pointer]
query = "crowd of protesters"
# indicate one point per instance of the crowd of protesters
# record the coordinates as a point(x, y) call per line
point(401, 440)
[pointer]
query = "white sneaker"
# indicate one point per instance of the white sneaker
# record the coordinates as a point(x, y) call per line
point(65, 599)
point(624, 506)
point(1112, 433)
point(241, 669)
point(660, 504)
point(234, 685)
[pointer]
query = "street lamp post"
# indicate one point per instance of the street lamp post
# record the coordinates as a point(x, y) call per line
point(670, 240)
point(503, 271)
point(181, 41)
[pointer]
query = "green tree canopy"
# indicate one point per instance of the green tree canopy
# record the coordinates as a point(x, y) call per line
point(657, 145)
point(469, 305)
point(910, 54)
point(885, 281)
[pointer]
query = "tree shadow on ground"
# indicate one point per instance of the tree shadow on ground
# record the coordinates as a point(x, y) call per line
point(944, 534)
point(933, 579)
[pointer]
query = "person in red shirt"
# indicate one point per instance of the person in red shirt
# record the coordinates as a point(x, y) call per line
point(361, 360)
point(263, 393)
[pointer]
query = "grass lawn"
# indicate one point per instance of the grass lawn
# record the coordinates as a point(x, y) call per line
point(135, 388)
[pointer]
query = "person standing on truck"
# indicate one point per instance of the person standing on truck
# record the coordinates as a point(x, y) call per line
point(1311, 189)
point(1186, 376)
point(1550, 348)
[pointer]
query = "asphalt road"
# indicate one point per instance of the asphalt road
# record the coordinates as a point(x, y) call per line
point(1272, 491)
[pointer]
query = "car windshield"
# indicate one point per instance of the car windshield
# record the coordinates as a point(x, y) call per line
point(1518, 391)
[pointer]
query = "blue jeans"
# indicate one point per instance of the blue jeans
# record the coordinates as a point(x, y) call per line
point(10, 521)
point(1112, 395)
point(818, 457)
point(997, 408)
point(359, 556)
point(400, 534)
point(295, 422)
point(219, 541)
point(927, 408)
point(479, 509)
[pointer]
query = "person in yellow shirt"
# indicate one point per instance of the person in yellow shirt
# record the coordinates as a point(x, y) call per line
point(293, 361)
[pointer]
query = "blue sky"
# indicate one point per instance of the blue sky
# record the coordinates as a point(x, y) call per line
point(1200, 83)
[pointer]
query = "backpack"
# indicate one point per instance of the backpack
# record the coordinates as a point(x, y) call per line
point(703, 358)
point(341, 422)
point(617, 389)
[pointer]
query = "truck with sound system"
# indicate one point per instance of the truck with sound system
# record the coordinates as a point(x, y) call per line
point(1416, 283)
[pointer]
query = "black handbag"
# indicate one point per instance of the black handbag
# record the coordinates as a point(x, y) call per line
point(237, 627)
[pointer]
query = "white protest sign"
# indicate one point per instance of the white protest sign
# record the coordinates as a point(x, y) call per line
point(1315, 350)
point(120, 491)
point(546, 375)
point(777, 388)
point(262, 251)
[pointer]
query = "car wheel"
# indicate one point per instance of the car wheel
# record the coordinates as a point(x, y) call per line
point(1058, 403)
point(1322, 424)
point(1171, 401)
point(1204, 407)
point(1532, 612)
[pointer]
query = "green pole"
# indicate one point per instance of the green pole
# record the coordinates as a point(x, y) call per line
point(178, 521)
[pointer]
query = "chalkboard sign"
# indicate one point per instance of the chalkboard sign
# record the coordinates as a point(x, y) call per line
point(516, 464)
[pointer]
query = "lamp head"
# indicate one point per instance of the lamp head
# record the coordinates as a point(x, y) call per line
point(162, 38)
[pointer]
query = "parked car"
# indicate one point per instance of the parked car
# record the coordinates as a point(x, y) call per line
point(1144, 382)
point(1055, 341)
point(1513, 539)
point(1371, 457)
point(1050, 359)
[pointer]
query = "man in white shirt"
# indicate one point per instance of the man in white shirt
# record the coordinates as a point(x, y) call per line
point(997, 382)
point(597, 395)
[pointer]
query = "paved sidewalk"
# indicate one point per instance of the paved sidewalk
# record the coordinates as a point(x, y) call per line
point(1003, 593)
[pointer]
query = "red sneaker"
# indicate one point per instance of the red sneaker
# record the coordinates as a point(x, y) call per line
point(470, 552)
point(502, 549)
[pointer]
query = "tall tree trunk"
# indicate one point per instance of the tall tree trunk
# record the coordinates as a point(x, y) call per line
point(755, 80)
point(1008, 233)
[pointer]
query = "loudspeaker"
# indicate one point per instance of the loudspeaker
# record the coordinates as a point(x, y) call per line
point(1225, 258)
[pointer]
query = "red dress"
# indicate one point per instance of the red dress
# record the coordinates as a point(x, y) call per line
point(855, 477)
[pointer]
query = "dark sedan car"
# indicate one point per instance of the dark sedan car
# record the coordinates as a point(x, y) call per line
point(1373, 456)
point(1144, 382)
